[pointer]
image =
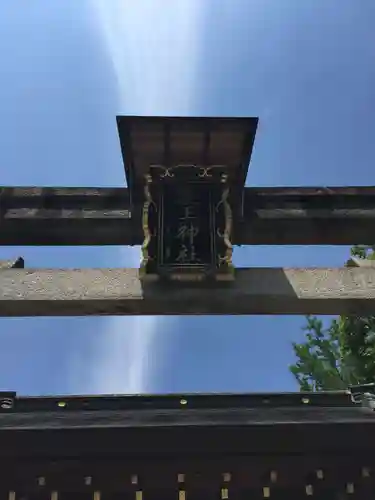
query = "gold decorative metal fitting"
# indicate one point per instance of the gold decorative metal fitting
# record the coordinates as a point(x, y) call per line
point(350, 488)
point(145, 222)
point(320, 474)
point(309, 490)
point(226, 259)
point(181, 495)
point(266, 492)
point(205, 172)
point(224, 493)
point(365, 472)
point(167, 172)
point(134, 479)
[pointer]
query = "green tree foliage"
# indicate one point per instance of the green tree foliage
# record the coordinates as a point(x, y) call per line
point(342, 354)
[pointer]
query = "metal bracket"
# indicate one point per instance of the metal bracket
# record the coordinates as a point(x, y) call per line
point(363, 394)
point(7, 400)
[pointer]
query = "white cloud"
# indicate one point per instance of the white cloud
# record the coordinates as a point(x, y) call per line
point(153, 47)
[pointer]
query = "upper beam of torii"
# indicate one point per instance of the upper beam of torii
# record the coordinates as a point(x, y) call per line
point(112, 216)
point(103, 216)
point(186, 205)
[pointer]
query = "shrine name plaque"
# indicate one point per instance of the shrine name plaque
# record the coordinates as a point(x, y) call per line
point(187, 227)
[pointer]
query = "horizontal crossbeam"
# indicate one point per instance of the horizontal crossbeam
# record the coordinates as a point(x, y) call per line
point(60, 292)
point(271, 216)
point(66, 216)
point(308, 216)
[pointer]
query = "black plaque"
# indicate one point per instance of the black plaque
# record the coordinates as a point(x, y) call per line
point(186, 228)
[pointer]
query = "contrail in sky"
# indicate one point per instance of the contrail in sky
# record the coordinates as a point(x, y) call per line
point(153, 46)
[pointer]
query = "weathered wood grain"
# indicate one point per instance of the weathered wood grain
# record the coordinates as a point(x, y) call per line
point(103, 216)
point(60, 292)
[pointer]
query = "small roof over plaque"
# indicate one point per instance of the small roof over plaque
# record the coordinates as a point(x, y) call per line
point(171, 141)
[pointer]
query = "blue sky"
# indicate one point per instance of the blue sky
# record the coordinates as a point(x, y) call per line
point(68, 67)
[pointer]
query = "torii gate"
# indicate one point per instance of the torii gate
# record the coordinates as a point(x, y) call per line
point(186, 204)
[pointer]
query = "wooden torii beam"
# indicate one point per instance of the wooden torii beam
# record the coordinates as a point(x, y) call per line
point(104, 216)
point(172, 164)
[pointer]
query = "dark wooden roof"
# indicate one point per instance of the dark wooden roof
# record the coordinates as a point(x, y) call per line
point(184, 425)
point(171, 141)
point(198, 443)
point(253, 403)
point(175, 409)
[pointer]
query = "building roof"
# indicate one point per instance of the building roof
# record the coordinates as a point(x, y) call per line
point(183, 424)
point(179, 410)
